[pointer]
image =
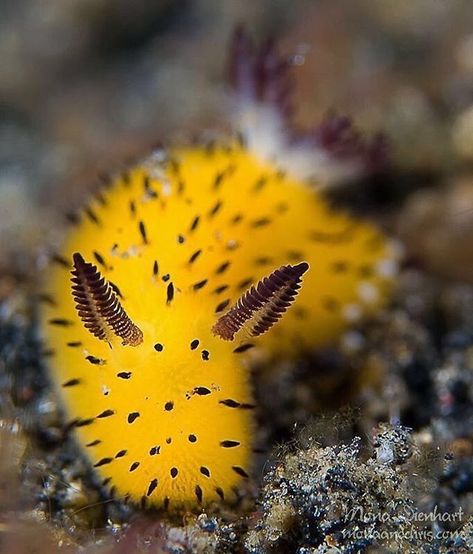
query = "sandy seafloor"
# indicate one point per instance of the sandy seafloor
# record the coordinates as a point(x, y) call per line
point(383, 421)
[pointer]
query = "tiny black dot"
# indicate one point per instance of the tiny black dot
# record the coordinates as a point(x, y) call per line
point(169, 440)
point(174, 472)
point(154, 450)
point(120, 454)
point(205, 355)
point(192, 438)
point(166, 277)
point(158, 347)
point(180, 239)
point(169, 406)
point(194, 344)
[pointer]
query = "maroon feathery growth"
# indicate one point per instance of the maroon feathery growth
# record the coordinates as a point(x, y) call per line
point(98, 305)
point(260, 307)
point(263, 75)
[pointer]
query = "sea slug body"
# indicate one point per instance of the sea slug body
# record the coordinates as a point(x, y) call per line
point(159, 399)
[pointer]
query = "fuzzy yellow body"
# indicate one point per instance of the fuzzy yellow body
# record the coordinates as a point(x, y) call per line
point(170, 421)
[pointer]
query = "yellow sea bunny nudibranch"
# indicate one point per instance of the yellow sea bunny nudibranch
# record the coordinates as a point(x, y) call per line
point(158, 300)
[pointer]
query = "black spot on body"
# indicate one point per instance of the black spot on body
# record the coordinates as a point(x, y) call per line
point(154, 451)
point(220, 492)
point(143, 234)
point(103, 462)
point(198, 494)
point(106, 413)
point(174, 472)
point(132, 416)
point(330, 304)
point(243, 348)
point(192, 438)
point(120, 454)
point(194, 344)
point(91, 215)
point(245, 283)
point(222, 268)
point(221, 289)
point(216, 208)
point(59, 260)
point(170, 293)
point(205, 471)
point(155, 268)
point(100, 259)
point(230, 403)
point(134, 466)
point(93, 443)
point(194, 256)
point(74, 344)
point(95, 361)
point(195, 223)
point(260, 183)
point(60, 322)
point(339, 266)
point(262, 222)
point(132, 207)
point(229, 444)
point(46, 299)
point(71, 383)
point(199, 284)
point(222, 305)
point(169, 406)
point(201, 391)
point(240, 471)
point(124, 374)
point(158, 347)
point(152, 485)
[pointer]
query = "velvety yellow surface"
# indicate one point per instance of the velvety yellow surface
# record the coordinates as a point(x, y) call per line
point(215, 222)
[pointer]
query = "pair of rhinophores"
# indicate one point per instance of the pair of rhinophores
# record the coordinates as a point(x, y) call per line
point(186, 268)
